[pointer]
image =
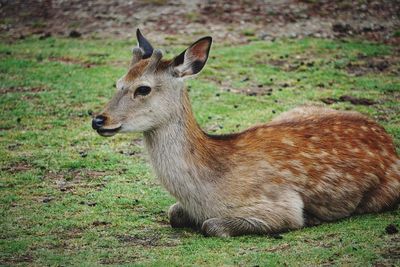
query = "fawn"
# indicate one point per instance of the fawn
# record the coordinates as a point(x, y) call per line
point(309, 165)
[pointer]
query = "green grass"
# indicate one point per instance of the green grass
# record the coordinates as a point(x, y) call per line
point(71, 197)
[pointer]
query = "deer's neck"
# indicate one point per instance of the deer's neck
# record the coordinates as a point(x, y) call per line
point(182, 155)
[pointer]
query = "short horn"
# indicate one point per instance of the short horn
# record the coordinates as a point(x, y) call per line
point(155, 58)
point(137, 55)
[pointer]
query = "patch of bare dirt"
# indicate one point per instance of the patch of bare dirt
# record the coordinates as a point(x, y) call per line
point(281, 247)
point(18, 167)
point(228, 21)
point(69, 180)
point(17, 259)
point(151, 240)
point(284, 64)
point(17, 89)
point(252, 90)
point(68, 60)
point(75, 232)
point(70, 233)
point(116, 261)
point(391, 252)
point(347, 98)
point(100, 223)
point(148, 241)
point(386, 64)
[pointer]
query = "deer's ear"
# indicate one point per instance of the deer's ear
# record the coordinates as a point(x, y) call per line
point(144, 44)
point(193, 59)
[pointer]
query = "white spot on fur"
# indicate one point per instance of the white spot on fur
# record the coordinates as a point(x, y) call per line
point(315, 138)
point(287, 141)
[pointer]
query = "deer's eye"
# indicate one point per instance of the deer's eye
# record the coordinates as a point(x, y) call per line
point(142, 90)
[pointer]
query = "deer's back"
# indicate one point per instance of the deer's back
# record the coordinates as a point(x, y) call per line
point(333, 158)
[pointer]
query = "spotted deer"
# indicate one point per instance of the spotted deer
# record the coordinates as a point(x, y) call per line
point(307, 166)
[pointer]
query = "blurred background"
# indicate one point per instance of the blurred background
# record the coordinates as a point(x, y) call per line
point(228, 21)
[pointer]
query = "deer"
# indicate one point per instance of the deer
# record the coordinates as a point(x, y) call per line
point(308, 166)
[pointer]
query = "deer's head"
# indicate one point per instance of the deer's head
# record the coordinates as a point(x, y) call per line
point(149, 94)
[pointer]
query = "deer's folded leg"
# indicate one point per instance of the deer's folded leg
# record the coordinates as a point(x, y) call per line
point(235, 226)
point(179, 218)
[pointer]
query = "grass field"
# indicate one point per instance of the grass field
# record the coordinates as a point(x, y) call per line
point(71, 197)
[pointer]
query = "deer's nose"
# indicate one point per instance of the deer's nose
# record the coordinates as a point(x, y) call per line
point(98, 122)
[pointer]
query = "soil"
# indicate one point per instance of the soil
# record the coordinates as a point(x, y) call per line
point(279, 248)
point(18, 167)
point(69, 180)
point(17, 259)
point(100, 223)
point(384, 64)
point(347, 98)
point(12, 89)
point(149, 241)
point(166, 21)
point(67, 60)
point(391, 252)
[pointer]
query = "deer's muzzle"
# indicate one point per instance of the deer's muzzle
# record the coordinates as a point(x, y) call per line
point(98, 124)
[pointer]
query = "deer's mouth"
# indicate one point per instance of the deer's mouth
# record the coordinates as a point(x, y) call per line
point(108, 132)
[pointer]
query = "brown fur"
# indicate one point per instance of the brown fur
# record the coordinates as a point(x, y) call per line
point(357, 149)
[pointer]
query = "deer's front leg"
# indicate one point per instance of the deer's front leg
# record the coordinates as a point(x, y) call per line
point(179, 218)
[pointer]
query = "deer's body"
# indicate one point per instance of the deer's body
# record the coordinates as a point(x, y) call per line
point(307, 166)
point(310, 162)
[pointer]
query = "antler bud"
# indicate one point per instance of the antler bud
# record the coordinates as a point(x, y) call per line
point(154, 59)
point(137, 55)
